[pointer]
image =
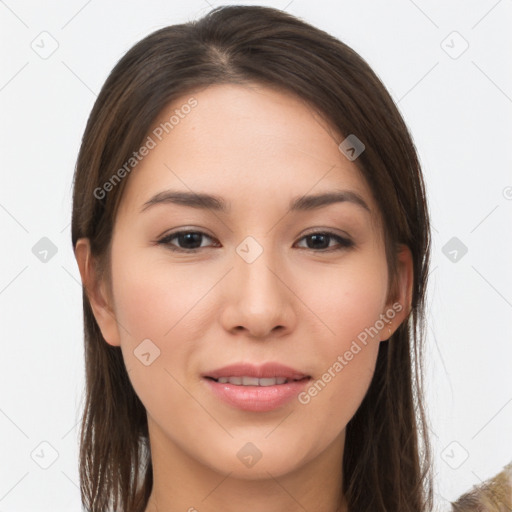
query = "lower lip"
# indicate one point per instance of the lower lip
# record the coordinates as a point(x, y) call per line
point(257, 398)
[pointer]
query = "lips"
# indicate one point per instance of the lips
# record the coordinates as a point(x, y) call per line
point(245, 374)
point(252, 388)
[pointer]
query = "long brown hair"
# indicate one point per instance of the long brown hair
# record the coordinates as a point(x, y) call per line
point(387, 458)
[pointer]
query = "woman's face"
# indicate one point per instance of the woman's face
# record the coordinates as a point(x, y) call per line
point(250, 284)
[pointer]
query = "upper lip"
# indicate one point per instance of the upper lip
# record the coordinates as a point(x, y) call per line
point(267, 370)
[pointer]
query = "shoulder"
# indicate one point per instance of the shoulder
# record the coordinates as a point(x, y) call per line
point(493, 495)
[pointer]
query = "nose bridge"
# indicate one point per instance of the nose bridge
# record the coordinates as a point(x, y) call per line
point(256, 269)
point(260, 300)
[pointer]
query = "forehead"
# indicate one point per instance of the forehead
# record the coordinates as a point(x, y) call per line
point(244, 143)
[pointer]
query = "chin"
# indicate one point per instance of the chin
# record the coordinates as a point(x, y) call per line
point(250, 463)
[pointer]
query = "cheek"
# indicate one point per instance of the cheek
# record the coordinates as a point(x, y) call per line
point(153, 300)
point(347, 298)
point(346, 363)
point(348, 301)
point(155, 307)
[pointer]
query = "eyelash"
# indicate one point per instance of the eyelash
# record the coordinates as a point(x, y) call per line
point(344, 243)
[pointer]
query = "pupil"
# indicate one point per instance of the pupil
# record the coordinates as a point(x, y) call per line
point(316, 237)
point(190, 237)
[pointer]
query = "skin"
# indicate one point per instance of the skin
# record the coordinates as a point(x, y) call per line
point(298, 304)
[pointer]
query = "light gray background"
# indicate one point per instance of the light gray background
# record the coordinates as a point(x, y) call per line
point(458, 108)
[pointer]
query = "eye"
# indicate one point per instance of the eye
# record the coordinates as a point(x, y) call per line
point(187, 238)
point(190, 241)
point(319, 238)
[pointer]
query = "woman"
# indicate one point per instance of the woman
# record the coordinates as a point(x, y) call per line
point(252, 233)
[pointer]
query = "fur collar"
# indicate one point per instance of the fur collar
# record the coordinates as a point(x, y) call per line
point(493, 495)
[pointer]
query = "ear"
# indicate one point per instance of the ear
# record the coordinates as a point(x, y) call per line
point(97, 292)
point(401, 295)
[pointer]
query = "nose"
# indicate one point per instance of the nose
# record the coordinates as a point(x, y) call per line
point(259, 301)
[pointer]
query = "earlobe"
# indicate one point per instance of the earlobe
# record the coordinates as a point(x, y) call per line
point(96, 291)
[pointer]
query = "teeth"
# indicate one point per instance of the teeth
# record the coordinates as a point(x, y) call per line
point(252, 381)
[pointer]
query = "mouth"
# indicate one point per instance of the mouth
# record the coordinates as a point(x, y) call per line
point(248, 374)
point(255, 381)
point(254, 388)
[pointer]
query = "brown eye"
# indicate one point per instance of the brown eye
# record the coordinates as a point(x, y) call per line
point(320, 240)
point(189, 241)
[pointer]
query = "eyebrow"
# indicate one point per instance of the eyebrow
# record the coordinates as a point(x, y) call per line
point(217, 203)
